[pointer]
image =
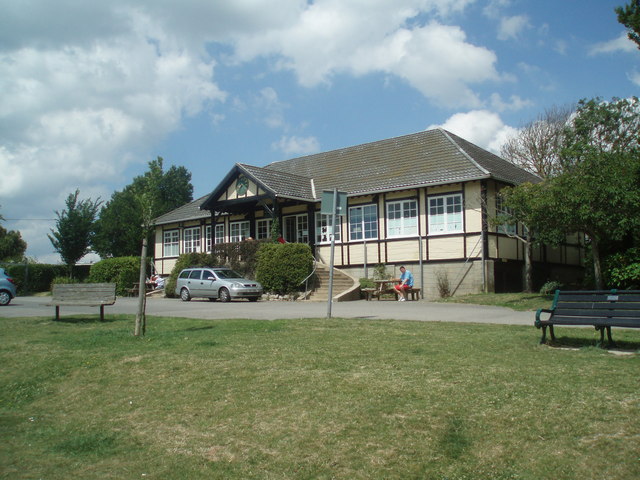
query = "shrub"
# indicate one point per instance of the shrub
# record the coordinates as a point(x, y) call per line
point(282, 267)
point(444, 288)
point(380, 272)
point(622, 270)
point(35, 277)
point(123, 271)
point(367, 283)
point(550, 287)
point(63, 281)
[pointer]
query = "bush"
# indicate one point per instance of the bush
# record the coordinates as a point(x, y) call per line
point(63, 281)
point(123, 271)
point(35, 277)
point(444, 288)
point(622, 270)
point(367, 283)
point(282, 267)
point(550, 287)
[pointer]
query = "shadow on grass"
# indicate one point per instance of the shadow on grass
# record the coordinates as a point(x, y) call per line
point(573, 342)
point(81, 320)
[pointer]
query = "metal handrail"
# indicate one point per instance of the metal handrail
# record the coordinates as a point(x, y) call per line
point(305, 281)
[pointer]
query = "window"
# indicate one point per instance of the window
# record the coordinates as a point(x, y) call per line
point(323, 228)
point(363, 219)
point(402, 218)
point(263, 229)
point(296, 228)
point(192, 240)
point(501, 210)
point(207, 238)
point(171, 244)
point(239, 231)
point(445, 213)
point(219, 234)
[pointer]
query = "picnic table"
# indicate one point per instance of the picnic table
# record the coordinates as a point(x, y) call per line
point(386, 287)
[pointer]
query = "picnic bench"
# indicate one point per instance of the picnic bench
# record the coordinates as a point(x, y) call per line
point(386, 286)
point(83, 294)
point(602, 309)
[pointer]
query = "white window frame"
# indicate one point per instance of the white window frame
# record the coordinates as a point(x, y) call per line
point(402, 225)
point(171, 243)
point(219, 233)
point(323, 227)
point(262, 232)
point(191, 237)
point(370, 227)
point(445, 219)
point(239, 231)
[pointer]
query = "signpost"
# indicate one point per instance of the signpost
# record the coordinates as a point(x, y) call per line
point(334, 203)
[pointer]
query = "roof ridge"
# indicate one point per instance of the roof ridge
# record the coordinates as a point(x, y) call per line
point(448, 135)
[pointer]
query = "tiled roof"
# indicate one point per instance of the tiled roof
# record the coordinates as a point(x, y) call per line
point(427, 158)
point(189, 211)
point(282, 183)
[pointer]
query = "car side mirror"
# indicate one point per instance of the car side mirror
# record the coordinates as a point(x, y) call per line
point(211, 278)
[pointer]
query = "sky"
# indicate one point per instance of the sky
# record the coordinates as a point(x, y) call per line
point(91, 91)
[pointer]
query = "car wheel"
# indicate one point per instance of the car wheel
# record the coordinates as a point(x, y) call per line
point(253, 299)
point(224, 295)
point(5, 298)
point(184, 295)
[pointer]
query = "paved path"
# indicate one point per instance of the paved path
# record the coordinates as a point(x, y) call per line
point(384, 309)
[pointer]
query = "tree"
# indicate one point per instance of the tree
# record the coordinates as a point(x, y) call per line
point(74, 229)
point(629, 16)
point(119, 230)
point(536, 146)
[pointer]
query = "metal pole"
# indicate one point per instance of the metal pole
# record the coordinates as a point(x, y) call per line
point(333, 245)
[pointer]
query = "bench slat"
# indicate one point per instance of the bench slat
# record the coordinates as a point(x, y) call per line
point(601, 305)
point(585, 312)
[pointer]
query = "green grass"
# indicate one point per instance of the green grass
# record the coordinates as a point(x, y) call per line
point(515, 301)
point(313, 399)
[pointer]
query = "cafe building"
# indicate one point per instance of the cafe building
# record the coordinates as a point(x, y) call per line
point(424, 200)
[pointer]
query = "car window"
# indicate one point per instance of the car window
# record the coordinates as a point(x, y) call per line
point(195, 274)
point(206, 274)
point(225, 273)
point(184, 274)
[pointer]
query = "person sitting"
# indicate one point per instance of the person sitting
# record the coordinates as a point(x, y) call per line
point(406, 283)
point(159, 282)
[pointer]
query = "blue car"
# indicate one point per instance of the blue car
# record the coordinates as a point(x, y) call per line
point(7, 288)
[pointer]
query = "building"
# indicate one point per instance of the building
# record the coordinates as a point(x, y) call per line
point(422, 200)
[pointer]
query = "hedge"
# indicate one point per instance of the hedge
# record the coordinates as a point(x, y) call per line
point(123, 271)
point(281, 268)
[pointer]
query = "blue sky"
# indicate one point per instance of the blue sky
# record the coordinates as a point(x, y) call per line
point(91, 91)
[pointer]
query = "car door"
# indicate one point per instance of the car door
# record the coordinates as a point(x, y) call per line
point(194, 283)
point(209, 284)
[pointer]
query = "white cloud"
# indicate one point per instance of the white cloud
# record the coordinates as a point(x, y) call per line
point(511, 27)
point(514, 103)
point(635, 77)
point(620, 44)
point(333, 37)
point(482, 127)
point(293, 145)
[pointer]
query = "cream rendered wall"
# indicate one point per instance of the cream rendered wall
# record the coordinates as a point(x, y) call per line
point(445, 248)
point(231, 193)
point(472, 207)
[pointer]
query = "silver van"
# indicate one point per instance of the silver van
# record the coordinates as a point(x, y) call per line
point(216, 282)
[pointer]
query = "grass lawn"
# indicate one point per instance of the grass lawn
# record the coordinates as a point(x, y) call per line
point(313, 399)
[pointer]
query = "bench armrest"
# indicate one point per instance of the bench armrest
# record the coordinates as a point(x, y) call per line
point(539, 312)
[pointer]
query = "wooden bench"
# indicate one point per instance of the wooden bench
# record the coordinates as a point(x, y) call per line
point(83, 294)
point(413, 293)
point(601, 308)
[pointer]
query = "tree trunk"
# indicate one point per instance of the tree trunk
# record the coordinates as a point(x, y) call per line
point(597, 268)
point(528, 267)
point(140, 327)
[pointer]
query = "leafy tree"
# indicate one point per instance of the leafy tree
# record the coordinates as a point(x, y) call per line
point(536, 146)
point(598, 192)
point(125, 220)
point(629, 16)
point(12, 246)
point(74, 228)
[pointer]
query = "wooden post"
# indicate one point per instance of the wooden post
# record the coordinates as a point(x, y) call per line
point(140, 326)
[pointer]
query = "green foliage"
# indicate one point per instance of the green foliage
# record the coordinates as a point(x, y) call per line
point(444, 287)
point(64, 280)
point(123, 271)
point(283, 266)
point(12, 246)
point(240, 256)
point(550, 287)
point(622, 270)
point(367, 283)
point(629, 16)
point(35, 277)
point(380, 272)
point(128, 215)
point(74, 229)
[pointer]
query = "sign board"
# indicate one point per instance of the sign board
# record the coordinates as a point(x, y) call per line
point(326, 206)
